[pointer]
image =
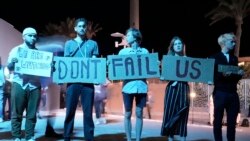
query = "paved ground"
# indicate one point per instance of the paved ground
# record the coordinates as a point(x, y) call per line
point(114, 131)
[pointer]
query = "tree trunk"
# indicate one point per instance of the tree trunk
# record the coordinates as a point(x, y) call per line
point(238, 23)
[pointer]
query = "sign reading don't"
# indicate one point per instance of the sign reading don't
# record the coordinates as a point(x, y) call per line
point(187, 69)
point(78, 69)
point(138, 66)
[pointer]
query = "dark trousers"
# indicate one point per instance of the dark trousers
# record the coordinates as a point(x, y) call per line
point(230, 103)
point(86, 91)
point(6, 97)
point(99, 107)
point(23, 100)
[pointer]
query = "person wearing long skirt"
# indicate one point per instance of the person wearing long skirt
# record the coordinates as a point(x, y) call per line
point(176, 101)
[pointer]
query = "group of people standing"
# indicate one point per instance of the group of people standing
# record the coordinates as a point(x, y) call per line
point(25, 92)
point(177, 93)
point(225, 97)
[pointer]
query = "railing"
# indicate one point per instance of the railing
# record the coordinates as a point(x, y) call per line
point(200, 102)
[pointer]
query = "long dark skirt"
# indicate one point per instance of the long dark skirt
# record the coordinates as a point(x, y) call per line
point(176, 109)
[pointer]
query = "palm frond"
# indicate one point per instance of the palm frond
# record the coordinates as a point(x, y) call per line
point(67, 28)
point(234, 9)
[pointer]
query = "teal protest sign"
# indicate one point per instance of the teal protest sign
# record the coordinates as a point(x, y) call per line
point(228, 68)
point(34, 62)
point(137, 66)
point(83, 70)
point(187, 69)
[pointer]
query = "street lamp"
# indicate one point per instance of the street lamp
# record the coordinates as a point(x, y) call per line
point(192, 95)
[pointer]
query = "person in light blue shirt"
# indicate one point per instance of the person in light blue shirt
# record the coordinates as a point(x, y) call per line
point(134, 89)
point(25, 90)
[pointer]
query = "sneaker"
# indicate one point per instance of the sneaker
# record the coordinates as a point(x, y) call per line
point(97, 121)
point(17, 139)
point(39, 115)
point(170, 138)
point(103, 120)
point(31, 139)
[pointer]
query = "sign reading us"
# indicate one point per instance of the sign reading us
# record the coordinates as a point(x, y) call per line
point(187, 69)
point(122, 67)
point(77, 69)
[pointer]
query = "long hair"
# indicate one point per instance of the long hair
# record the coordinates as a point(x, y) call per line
point(171, 47)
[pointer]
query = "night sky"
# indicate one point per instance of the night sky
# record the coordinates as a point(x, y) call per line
point(159, 22)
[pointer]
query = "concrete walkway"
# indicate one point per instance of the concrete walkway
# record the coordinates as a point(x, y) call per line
point(114, 131)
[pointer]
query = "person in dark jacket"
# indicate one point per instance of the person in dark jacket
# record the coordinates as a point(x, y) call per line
point(225, 95)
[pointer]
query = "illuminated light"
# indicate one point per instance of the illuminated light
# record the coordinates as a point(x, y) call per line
point(117, 34)
point(193, 94)
point(241, 64)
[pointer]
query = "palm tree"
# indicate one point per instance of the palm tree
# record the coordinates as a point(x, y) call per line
point(92, 29)
point(67, 28)
point(235, 9)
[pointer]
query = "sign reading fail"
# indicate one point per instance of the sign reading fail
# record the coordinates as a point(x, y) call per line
point(187, 69)
point(122, 67)
point(34, 62)
point(79, 70)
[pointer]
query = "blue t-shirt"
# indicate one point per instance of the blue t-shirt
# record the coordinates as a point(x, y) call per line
point(87, 49)
point(134, 86)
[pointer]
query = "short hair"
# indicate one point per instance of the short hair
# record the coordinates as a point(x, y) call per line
point(80, 20)
point(226, 36)
point(29, 30)
point(136, 34)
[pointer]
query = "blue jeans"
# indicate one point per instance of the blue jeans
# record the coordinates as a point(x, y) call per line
point(86, 91)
